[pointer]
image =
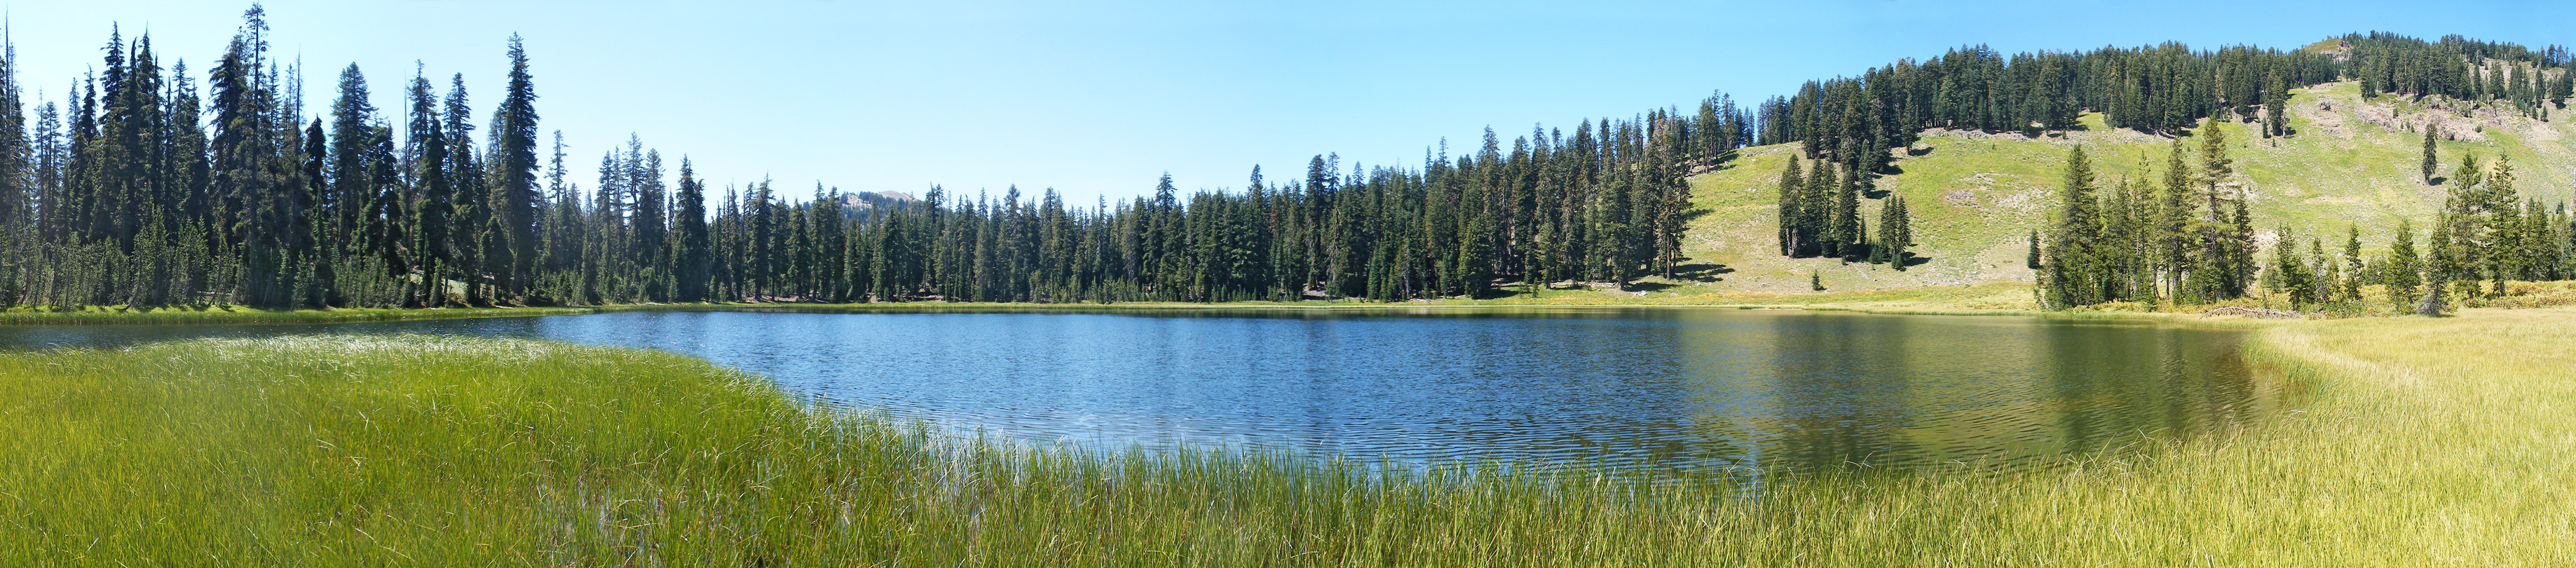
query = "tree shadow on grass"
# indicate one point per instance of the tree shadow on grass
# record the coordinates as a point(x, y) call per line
point(1703, 272)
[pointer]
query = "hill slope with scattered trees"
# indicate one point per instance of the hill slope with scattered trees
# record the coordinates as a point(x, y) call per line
point(2346, 164)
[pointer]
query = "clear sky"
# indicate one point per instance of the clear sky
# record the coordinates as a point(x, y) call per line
point(1101, 97)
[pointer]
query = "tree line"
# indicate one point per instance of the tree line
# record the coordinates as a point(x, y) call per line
point(2135, 241)
point(2485, 235)
point(2185, 238)
point(2160, 89)
point(145, 189)
point(1854, 122)
point(1606, 204)
point(2529, 82)
point(2188, 237)
point(141, 192)
point(1820, 215)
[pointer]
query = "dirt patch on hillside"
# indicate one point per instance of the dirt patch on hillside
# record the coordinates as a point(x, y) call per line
point(2323, 118)
point(2066, 138)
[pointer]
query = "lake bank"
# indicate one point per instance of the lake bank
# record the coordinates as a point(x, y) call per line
point(196, 315)
point(1992, 299)
point(1987, 299)
point(2434, 442)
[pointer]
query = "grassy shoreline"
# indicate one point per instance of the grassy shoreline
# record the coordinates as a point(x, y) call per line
point(1993, 299)
point(2433, 442)
point(119, 315)
point(1989, 299)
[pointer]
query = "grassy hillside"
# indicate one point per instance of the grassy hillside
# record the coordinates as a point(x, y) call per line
point(1976, 196)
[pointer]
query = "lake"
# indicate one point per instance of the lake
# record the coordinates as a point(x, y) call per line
point(1712, 390)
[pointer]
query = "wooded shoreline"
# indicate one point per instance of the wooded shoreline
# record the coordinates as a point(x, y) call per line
point(1979, 300)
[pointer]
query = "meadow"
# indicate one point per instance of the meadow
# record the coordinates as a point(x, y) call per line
point(230, 314)
point(2432, 441)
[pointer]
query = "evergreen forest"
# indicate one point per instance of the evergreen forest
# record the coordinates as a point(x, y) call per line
point(153, 184)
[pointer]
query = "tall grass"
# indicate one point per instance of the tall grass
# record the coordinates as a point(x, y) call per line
point(118, 315)
point(2435, 442)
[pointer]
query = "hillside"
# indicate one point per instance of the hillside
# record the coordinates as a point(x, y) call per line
point(1975, 196)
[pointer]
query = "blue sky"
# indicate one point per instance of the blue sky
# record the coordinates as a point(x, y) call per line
point(1099, 98)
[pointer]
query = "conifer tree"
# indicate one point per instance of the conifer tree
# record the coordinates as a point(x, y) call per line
point(2031, 258)
point(2276, 107)
point(2176, 213)
point(433, 196)
point(1896, 232)
point(471, 233)
point(1817, 211)
point(514, 168)
point(692, 245)
point(1849, 235)
point(20, 193)
point(352, 122)
point(2226, 266)
point(2070, 271)
point(2404, 266)
point(2430, 163)
point(1793, 188)
point(2444, 262)
point(2352, 264)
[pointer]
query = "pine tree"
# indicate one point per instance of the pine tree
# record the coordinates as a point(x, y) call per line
point(2404, 266)
point(2176, 210)
point(2225, 267)
point(2276, 107)
point(2430, 163)
point(2031, 258)
point(20, 191)
point(1817, 211)
point(471, 232)
point(1793, 188)
point(433, 196)
point(2070, 265)
point(352, 121)
point(692, 244)
point(1896, 232)
point(513, 148)
point(2352, 264)
point(2444, 262)
point(1849, 236)
point(2324, 278)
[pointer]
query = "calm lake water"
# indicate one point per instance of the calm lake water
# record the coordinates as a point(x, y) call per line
point(1699, 389)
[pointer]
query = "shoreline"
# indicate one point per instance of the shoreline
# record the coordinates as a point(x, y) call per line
point(1972, 300)
point(2427, 441)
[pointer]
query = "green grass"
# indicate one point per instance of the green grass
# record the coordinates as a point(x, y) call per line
point(112, 315)
point(2432, 442)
